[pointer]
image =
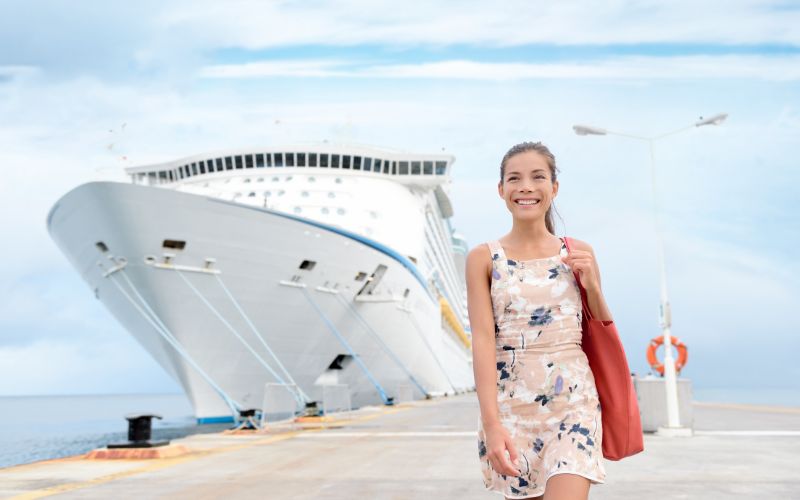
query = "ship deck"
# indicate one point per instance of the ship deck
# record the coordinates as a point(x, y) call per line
point(427, 449)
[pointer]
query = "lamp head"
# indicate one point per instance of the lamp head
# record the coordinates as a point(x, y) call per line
point(587, 130)
point(714, 120)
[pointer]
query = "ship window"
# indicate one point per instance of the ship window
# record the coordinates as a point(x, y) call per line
point(194, 168)
point(280, 192)
point(297, 210)
point(278, 159)
point(312, 159)
point(304, 193)
point(260, 179)
point(228, 163)
point(209, 166)
point(184, 171)
point(260, 160)
point(252, 194)
point(219, 165)
point(288, 178)
point(248, 161)
point(289, 159)
point(267, 193)
point(331, 195)
point(238, 162)
point(387, 167)
point(312, 179)
point(378, 165)
point(307, 264)
point(441, 167)
point(162, 176)
point(174, 244)
point(340, 211)
point(324, 210)
point(246, 180)
point(334, 161)
point(323, 161)
point(338, 180)
point(301, 159)
point(345, 161)
point(367, 164)
point(269, 159)
point(415, 168)
point(356, 163)
point(360, 276)
point(403, 168)
point(202, 167)
point(170, 175)
point(427, 168)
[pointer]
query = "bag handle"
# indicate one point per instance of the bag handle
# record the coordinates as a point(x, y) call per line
point(584, 298)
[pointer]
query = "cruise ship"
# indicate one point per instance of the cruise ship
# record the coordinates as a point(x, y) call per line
point(282, 270)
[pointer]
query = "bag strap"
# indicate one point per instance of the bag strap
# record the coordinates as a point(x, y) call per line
point(582, 290)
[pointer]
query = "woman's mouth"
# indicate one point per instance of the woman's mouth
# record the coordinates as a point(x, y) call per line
point(527, 201)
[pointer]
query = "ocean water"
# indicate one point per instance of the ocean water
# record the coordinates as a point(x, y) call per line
point(36, 428)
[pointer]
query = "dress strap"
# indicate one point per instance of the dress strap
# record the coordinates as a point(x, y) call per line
point(564, 251)
point(496, 252)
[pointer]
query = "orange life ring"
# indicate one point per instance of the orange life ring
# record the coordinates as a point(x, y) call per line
point(653, 360)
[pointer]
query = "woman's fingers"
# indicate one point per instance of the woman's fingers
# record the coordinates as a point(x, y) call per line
point(502, 464)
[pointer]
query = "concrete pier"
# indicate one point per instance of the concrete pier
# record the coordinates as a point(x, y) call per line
point(428, 450)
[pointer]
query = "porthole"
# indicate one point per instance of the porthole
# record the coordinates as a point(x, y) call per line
point(288, 178)
point(374, 214)
point(338, 180)
point(275, 179)
point(297, 210)
point(340, 211)
point(331, 195)
point(252, 194)
point(246, 181)
point(280, 192)
point(325, 210)
point(311, 179)
point(267, 193)
point(260, 179)
point(304, 193)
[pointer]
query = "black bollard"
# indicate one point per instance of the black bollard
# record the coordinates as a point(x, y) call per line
point(139, 432)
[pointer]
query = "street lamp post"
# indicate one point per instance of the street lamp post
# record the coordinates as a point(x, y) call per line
point(673, 427)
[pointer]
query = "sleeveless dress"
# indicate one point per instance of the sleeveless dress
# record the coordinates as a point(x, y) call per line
point(546, 393)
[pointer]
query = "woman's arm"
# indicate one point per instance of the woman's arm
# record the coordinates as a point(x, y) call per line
point(481, 320)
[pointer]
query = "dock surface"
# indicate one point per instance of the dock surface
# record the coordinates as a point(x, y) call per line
point(427, 450)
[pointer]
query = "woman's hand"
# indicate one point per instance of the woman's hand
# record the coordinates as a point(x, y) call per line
point(497, 442)
point(583, 262)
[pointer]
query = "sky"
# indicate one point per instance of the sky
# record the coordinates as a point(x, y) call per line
point(87, 88)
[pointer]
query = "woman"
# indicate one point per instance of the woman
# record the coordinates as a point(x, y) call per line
point(540, 433)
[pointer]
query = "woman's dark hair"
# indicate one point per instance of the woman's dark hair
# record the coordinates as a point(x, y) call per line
point(551, 162)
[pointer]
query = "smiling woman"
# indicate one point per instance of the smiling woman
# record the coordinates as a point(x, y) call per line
point(540, 424)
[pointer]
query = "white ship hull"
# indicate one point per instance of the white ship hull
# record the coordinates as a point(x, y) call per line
point(113, 233)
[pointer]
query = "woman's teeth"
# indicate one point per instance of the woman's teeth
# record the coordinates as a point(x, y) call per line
point(527, 202)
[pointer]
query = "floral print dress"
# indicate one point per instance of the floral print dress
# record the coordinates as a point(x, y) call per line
point(546, 393)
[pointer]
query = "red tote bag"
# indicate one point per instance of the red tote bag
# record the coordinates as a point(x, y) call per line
point(622, 423)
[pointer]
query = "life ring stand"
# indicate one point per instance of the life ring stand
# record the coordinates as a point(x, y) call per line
point(657, 365)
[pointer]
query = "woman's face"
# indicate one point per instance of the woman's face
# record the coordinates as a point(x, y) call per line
point(527, 187)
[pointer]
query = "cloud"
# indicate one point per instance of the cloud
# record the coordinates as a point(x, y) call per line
point(774, 68)
point(255, 25)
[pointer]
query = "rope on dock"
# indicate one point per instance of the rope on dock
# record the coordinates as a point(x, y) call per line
point(162, 330)
point(380, 341)
point(233, 330)
point(355, 356)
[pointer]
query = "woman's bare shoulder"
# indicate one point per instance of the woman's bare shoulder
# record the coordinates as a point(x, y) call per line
point(480, 254)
